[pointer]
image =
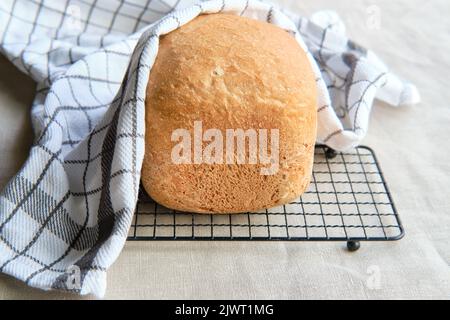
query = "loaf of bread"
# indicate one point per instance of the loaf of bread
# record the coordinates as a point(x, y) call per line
point(218, 79)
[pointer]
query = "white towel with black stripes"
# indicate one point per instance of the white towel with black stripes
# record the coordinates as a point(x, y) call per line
point(64, 217)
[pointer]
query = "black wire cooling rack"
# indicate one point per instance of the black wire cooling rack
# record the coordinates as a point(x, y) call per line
point(347, 200)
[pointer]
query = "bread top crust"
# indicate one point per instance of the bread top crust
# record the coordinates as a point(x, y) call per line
point(229, 72)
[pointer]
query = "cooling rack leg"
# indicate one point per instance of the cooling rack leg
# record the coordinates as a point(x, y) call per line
point(353, 246)
point(330, 153)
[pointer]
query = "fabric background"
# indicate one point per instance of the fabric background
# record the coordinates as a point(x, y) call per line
point(408, 143)
point(70, 206)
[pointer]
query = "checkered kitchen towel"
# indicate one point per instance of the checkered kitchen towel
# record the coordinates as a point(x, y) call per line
point(65, 216)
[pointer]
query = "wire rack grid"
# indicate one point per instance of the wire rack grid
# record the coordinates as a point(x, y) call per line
point(347, 200)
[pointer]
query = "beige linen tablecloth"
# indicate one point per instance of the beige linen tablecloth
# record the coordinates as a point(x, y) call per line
point(412, 144)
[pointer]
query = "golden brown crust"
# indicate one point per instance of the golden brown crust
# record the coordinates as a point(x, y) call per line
point(229, 72)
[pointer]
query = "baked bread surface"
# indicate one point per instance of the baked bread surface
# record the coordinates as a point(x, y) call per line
point(229, 72)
